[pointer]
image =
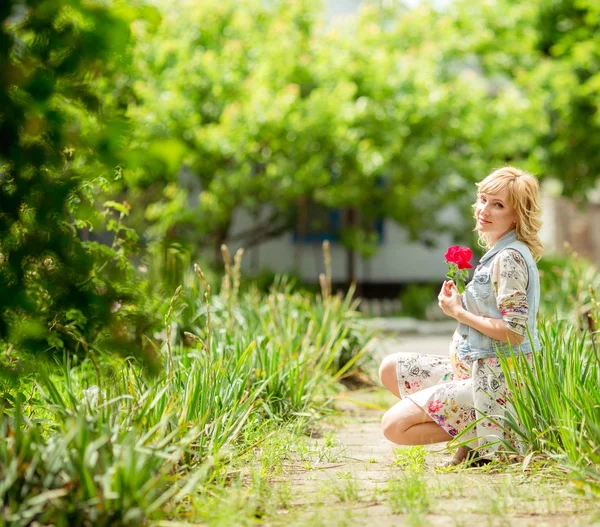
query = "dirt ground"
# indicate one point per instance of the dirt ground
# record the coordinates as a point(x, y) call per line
point(363, 479)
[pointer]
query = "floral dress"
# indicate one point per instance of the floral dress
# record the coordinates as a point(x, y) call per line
point(455, 393)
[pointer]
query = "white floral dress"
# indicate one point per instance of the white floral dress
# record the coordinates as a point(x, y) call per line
point(455, 393)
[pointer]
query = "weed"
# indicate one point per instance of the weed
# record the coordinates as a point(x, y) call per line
point(347, 488)
point(409, 494)
point(450, 489)
point(330, 440)
point(411, 459)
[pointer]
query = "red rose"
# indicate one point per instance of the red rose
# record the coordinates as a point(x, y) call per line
point(458, 263)
point(460, 256)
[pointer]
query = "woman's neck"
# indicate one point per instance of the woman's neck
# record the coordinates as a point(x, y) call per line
point(495, 239)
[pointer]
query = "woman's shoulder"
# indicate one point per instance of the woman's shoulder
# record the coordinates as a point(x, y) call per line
point(509, 269)
point(509, 262)
point(510, 256)
point(519, 246)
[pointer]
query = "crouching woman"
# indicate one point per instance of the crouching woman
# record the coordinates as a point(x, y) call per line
point(441, 397)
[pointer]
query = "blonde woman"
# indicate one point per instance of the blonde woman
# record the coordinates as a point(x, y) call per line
point(440, 396)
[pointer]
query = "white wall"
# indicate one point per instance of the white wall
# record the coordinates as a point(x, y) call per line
point(398, 259)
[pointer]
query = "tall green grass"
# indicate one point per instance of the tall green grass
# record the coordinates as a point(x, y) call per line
point(88, 470)
point(110, 445)
point(556, 402)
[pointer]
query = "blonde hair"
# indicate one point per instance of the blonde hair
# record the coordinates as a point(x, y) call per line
point(524, 196)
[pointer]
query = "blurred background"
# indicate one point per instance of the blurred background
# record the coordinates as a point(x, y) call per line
point(366, 124)
point(139, 137)
point(276, 125)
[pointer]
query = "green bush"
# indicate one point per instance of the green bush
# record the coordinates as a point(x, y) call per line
point(417, 299)
point(568, 286)
point(59, 145)
point(107, 445)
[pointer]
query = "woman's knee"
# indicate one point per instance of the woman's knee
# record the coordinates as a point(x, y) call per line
point(399, 418)
point(392, 426)
point(387, 373)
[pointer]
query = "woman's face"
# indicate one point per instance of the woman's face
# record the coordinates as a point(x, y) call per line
point(494, 214)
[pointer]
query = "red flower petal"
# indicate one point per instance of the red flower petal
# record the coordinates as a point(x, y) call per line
point(451, 253)
point(463, 256)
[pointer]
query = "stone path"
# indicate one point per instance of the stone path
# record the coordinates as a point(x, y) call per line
point(367, 480)
point(428, 345)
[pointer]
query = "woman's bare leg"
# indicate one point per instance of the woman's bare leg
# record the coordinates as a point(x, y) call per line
point(387, 373)
point(406, 423)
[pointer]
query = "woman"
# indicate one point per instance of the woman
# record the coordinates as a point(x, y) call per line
point(440, 396)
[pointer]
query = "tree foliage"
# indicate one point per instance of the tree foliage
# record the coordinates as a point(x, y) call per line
point(178, 120)
point(57, 289)
point(569, 41)
point(550, 52)
point(394, 114)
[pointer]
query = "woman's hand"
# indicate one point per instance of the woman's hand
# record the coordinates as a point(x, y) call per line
point(449, 300)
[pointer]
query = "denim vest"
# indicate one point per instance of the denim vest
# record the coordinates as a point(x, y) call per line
point(479, 299)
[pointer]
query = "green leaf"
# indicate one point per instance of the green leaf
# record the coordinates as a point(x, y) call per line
point(119, 207)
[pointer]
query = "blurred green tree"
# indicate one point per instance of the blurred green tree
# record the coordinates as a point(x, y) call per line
point(57, 138)
point(551, 52)
point(268, 109)
point(568, 39)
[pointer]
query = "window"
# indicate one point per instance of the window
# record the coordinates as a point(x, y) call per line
point(317, 223)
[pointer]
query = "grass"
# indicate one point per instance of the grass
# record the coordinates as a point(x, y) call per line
point(409, 494)
point(346, 488)
point(411, 459)
point(108, 444)
point(556, 402)
point(214, 439)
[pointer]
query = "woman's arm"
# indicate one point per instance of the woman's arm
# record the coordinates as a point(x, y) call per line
point(495, 328)
point(450, 302)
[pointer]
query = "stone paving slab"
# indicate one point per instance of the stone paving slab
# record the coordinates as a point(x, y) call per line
point(410, 326)
point(425, 344)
